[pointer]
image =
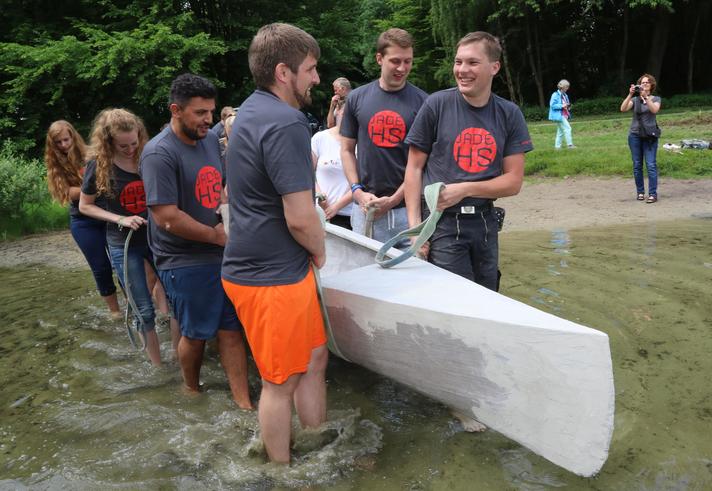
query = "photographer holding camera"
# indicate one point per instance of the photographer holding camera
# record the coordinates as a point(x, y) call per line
point(643, 135)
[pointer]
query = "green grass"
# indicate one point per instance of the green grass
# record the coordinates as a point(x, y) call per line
point(602, 147)
point(34, 218)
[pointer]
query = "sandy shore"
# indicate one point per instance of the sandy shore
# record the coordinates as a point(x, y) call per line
point(543, 204)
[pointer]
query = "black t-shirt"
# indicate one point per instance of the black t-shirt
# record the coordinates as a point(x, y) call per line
point(467, 143)
point(190, 177)
point(379, 121)
point(128, 198)
point(269, 155)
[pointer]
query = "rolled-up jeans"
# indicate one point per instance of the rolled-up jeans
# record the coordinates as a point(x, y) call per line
point(644, 149)
point(384, 228)
point(137, 278)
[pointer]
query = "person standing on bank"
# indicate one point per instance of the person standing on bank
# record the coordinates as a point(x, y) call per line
point(378, 116)
point(473, 141)
point(341, 87)
point(117, 139)
point(560, 112)
point(183, 177)
point(65, 154)
point(645, 106)
point(276, 235)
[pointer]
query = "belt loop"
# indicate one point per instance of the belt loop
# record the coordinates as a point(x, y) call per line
point(457, 221)
point(482, 215)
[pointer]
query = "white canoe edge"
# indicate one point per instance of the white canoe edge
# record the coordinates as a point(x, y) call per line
point(543, 381)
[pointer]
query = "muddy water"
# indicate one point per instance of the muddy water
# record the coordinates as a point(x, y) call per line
point(80, 410)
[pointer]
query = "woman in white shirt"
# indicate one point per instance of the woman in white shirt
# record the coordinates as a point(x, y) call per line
point(333, 191)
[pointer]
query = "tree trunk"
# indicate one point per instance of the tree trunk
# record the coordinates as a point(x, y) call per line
point(507, 73)
point(658, 42)
point(536, 72)
point(699, 10)
point(624, 48)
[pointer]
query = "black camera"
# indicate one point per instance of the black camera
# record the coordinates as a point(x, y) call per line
point(637, 89)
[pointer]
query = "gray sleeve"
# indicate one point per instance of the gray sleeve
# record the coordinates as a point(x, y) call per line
point(349, 122)
point(518, 139)
point(160, 178)
point(287, 158)
point(424, 129)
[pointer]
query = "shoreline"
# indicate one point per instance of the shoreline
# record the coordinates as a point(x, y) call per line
point(544, 204)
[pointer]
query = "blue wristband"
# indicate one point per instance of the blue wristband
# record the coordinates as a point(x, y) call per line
point(356, 186)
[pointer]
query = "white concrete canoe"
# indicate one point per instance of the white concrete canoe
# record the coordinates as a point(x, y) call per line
point(543, 381)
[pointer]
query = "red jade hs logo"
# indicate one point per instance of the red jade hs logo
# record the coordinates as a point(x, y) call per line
point(133, 198)
point(475, 149)
point(386, 129)
point(208, 186)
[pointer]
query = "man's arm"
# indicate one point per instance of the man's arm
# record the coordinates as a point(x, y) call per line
point(177, 222)
point(413, 183)
point(508, 184)
point(304, 224)
point(330, 119)
point(349, 163)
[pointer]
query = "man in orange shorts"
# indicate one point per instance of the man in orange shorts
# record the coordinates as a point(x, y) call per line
point(275, 234)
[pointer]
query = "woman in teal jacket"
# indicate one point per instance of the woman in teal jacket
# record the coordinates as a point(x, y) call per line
point(559, 112)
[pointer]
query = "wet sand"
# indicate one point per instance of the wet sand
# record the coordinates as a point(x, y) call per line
point(543, 204)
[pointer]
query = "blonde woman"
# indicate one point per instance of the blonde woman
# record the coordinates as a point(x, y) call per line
point(65, 152)
point(117, 138)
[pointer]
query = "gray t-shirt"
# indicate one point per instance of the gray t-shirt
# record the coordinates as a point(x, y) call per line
point(379, 121)
point(190, 177)
point(269, 155)
point(128, 198)
point(642, 111)
point(467, 143)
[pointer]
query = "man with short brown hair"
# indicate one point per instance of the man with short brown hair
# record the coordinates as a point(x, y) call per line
point(473, 141)
point(377, 117)
point(275, 235)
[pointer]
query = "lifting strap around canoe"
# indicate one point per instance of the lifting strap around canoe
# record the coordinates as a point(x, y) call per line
point(423, 230)
point(331, 343)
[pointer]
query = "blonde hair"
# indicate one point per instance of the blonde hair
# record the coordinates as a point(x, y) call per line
point(107, 124)
point(228, 128)
point(563, 84)
point(63, 171)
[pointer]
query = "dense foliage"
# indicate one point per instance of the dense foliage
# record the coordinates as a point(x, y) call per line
point(70, 59)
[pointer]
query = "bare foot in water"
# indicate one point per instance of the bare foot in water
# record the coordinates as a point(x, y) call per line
point(189, 391)
point(469, 424)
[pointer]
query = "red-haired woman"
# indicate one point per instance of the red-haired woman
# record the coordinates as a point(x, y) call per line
point(65, 152)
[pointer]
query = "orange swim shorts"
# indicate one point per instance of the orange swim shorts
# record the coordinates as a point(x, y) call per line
point(283, 325)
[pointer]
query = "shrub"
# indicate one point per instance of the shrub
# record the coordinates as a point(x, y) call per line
point(23, 181)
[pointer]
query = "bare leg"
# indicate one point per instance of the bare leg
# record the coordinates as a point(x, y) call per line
point(113, 303)
point(156, 289)
point(275, 416)
point(234, 361)
point(190, 357)
point(175, 333)
point(310, 395)
point(153, 349)
point(469, 423)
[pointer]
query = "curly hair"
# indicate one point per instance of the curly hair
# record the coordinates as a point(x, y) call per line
point(63, 170)
point(107, 124)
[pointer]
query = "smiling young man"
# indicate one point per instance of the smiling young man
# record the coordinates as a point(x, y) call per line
point(473, 141)
point(276, 234)
point(378, 116)
point(183, 176)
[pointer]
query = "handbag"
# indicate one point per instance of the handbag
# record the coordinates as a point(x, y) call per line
point(649, 130)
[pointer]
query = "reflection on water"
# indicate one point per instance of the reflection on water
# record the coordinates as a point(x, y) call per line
point(80, 409)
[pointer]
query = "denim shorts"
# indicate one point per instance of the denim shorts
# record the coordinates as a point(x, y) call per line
point(198, 300)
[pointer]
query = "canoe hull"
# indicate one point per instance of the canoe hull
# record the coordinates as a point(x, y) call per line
point(540, 380)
